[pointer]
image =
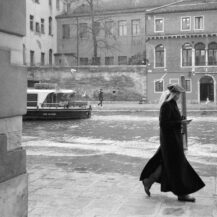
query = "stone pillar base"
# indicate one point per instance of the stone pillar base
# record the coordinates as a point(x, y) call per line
point(14, 197)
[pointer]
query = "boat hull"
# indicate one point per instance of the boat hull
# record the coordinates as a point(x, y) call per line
point(56, 114)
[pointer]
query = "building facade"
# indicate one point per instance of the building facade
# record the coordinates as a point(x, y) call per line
point(182, 41)
point(39, 44)
point(119, 27)
point(13, 176)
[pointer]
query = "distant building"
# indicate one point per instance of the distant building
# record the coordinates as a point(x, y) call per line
point(182, 40)
point(39, 45)
point(120, 33)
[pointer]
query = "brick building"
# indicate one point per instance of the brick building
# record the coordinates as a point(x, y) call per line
point(182, 40)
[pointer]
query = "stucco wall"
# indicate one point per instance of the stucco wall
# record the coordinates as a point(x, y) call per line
point(173, 54)
point(37, 41)
point(13, 89)
point(172, 22)
point(118, 83)
point(173, 38)
point(192, 96)
point(13, 16)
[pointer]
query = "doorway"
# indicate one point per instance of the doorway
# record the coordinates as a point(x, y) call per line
point(206, 89)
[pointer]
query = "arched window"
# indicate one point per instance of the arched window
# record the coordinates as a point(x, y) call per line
point(186, 54)
point(206, 88)
point(159, 56)
point(200, 54)
point(50, 56)
point(50, 26)
point(212, 53)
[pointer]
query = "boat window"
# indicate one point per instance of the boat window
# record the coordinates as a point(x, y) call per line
point(51, 98)
point(32, 99)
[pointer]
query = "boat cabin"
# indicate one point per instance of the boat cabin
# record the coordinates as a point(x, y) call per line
point(51, 98)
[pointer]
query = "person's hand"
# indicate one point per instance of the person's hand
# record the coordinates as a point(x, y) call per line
point(183, 117)
point(186, 121)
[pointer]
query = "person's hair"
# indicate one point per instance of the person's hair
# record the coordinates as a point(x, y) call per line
point(172, 95)
point(164, 96)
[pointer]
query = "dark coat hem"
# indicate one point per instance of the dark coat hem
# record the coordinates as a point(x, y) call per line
point(177, 174)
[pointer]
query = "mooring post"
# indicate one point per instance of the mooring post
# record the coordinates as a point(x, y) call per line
point(184, 114)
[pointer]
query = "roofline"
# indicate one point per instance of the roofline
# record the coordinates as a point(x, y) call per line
point(181, 10)
point(163, 6)
point(98, 13)
point(154, 10)
point(11, 33)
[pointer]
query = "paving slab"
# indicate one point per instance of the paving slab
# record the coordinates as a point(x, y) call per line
point(59, 193)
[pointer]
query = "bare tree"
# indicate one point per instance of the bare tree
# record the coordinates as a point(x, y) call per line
point(94, 30)
point(98, 24)
point(69, 3)
point(106, 40)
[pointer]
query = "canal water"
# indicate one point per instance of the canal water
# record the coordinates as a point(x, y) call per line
point(129, 134)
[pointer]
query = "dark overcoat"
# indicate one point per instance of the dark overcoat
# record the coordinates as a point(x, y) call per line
point(100, 96)
point(177, 174)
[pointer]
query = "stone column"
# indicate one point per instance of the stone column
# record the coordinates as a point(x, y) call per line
point(13, 82)
point(13, 176)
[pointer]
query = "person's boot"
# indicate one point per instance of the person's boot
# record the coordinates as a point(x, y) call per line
point(186, 198)
point(148, 182)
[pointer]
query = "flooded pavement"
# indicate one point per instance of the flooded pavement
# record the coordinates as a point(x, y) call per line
point(91, 167)
point(132, 135)
point(114, 142)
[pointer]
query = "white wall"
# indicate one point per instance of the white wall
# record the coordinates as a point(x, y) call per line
point(39, 42)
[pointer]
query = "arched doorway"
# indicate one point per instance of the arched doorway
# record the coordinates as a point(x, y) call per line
point(206, 89)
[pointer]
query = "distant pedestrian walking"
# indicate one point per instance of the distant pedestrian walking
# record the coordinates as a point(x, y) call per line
point(100, 96)
point(169, 166)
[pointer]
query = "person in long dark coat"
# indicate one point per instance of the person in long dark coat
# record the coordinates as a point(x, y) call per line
point(100, 96)
point(169, 166)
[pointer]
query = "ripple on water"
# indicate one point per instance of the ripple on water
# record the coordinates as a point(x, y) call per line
point(124, 118)
point(130, 148)
point(130, 135)
point(203, 118)
point(137, 148)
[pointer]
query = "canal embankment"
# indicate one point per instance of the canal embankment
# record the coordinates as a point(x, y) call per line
point(150, 109)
